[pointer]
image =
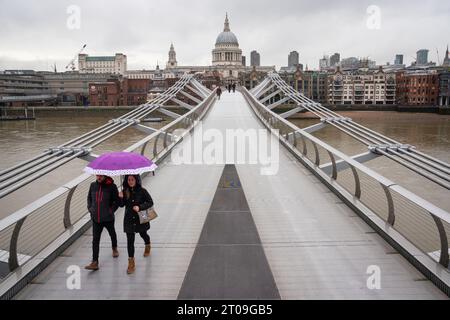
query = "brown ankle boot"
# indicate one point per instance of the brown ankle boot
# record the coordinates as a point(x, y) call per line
point(115, 253)
point(131, 266)
point(93, 266)
point(148, 247)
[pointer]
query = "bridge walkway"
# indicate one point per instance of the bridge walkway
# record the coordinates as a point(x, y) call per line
point(315, 246)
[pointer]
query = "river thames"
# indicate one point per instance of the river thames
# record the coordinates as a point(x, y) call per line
point(20, 140)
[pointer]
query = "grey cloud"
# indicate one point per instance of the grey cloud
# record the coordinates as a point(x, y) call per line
point(34, 33)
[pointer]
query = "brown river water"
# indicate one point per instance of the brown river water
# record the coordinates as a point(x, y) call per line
point(20, 140)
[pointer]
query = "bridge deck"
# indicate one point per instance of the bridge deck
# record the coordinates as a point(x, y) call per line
point(315, 246)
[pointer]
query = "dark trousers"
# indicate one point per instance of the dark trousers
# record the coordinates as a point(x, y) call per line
point(97, 229)
point(131, 237)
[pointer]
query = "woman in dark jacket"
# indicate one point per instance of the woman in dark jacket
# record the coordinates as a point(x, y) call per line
point(135, 198)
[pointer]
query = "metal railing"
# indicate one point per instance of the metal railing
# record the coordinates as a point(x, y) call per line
point(408, 156)
point(423, 224)
point(20, 175)
point(25, 233)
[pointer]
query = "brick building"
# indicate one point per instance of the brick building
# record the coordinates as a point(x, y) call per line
point(313, 84)
point(128, 92)
point(134, 91)
point(123, 92)
point(210, 79)
point(444, 89)
point(105, 93)
point(251, 79)
point(417, 89)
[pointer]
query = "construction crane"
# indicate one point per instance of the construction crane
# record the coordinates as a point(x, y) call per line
point(72, 63)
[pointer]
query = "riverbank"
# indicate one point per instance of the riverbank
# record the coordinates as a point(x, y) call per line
point(17, 113)
point(377, 108)
point(16, 118)
point(338, 108)
point(397, 108)
point(73, 108)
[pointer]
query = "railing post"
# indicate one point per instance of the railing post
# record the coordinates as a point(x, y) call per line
point(166, 137)
point(333, 161)
point(316, 151)
point(280, 130)
point(67, 220)
point(286, 135)
point(357, 182)
point(13, 260)
point(444, 258)
point(144, 146)
point(305, 149)
point(166, 134)
point(390, 202)
point(155, 147)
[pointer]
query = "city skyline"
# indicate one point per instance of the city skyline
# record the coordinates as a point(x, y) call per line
point(345, 31)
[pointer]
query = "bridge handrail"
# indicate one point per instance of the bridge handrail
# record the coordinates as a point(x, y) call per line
point(441, 217)
point(21, 174)
point(431, 168)
point(67, 204)
point(188, 115)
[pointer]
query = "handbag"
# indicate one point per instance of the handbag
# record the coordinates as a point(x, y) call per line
point(145, 216)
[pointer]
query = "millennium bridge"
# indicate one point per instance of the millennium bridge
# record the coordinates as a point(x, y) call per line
point(321, 226)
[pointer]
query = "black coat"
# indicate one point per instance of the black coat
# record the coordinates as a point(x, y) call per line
point(138, 197)
point(103, 200)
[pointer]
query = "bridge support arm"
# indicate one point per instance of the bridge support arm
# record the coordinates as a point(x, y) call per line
point(182, 104)
point(310, 129)
point(169, 113)
point(268, 97)
point(197, 92)
point(259, 86)
point(291, 112)
point(315, 127)
point(260, 94)
point(89, 157)
point(190, 97)
point(277, 103)
point(145, 129)
point(200, 87)
point(342, 165)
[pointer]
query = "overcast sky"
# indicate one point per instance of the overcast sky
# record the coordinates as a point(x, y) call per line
point(34, 34)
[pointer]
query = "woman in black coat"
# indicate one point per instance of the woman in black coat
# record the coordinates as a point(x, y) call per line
point(135, 198)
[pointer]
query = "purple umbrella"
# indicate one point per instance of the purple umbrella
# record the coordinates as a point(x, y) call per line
point(120, 164)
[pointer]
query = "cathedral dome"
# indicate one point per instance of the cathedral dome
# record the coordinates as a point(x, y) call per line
point(227, 53)
point(227, 37)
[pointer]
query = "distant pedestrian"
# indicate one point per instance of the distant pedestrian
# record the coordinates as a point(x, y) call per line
point(135, 199)
point(234, 87)
point(219, 92)
point(102, 203)
point(229, 87)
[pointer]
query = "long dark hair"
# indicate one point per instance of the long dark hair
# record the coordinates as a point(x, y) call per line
point(127, 188)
